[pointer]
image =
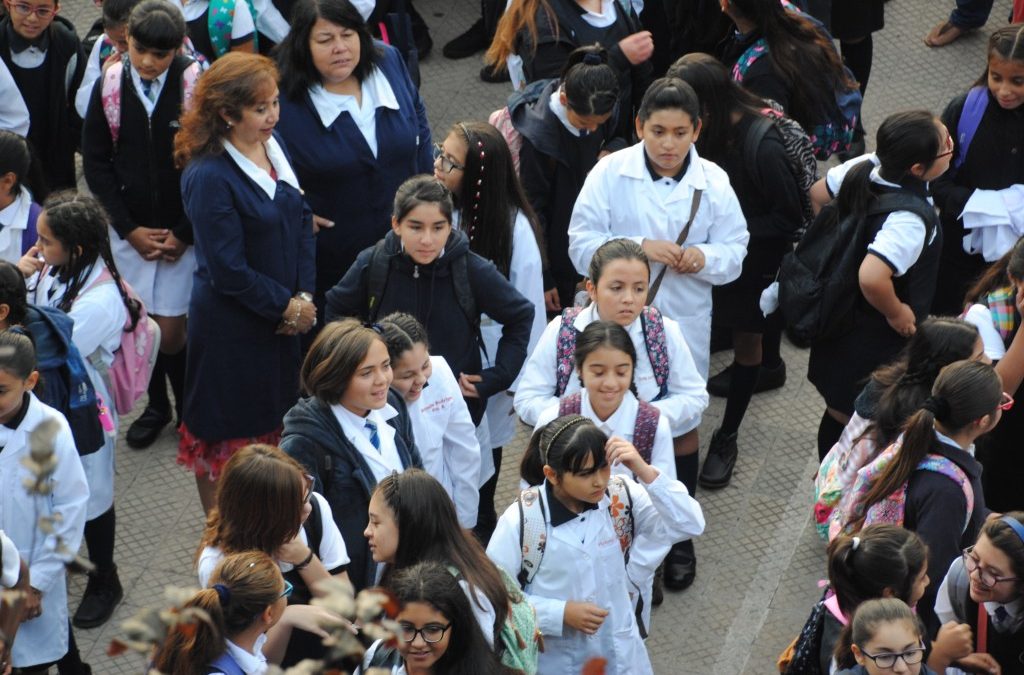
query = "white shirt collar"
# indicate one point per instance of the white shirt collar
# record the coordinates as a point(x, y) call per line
point(949, 441)
point(346, 416)
point(589, 315)
point(157, 86)
point(561, 112)
point(252, 663)
point(15, 215)
point(635, 166)
point(258, 175)
point(376, 93)
point(604, 18)
point(1013, 610)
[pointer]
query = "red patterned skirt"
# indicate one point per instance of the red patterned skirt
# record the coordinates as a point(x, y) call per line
point(207, 458)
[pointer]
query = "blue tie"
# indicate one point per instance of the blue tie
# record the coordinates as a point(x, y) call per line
point(1001, 615)
point(147, 90)
point(374, 438)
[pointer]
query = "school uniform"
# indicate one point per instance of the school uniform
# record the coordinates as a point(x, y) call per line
point(237, 660)
point(48, 71)
point(45, 638)
point(18, 226)
point(337, 449)
point(352, 157)
point(645, 554)
point(583, 562)
point(623, 197)
point(100, 315)
point(682, 406)
point(197, 26)
point(136, 181)
point(994, 161)
point(446, 439)
point(10, 562)
point(911, 248)
point(13, 113)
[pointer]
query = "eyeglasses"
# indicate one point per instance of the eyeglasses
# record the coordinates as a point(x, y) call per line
point(431, 633)
point(950, 147)
point(1006, 402)
point(288, 588)
point(26, 9)
point(447, 165)
point(888, 660)
point(973, 565)
point(308, 493)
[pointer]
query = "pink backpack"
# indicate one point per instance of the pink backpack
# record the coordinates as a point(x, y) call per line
point(644, 428)
point(111, 91)
point(128, 376)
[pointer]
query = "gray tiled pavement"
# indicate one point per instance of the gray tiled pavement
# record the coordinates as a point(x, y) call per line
point(759, 560)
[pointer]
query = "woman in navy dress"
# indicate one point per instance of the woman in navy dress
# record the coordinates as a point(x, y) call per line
point(355, 126)
point(255, 254)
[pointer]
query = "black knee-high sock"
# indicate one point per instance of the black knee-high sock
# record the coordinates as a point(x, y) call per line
point(175, 369)
point(858, 57)
point(771, 342)
point(829, 431)
point(99, 537)
point(157, 389)
point(741, 388)
point(687, 468)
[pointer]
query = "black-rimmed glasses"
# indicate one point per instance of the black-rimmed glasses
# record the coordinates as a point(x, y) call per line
point(888, 660)
point(972, 565)
point(431, 633)
point(447, 164)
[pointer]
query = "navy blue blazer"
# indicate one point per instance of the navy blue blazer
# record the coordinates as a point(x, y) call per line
point(342, 179)
point(253, 254)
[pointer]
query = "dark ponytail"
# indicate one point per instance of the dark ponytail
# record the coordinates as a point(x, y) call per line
point(564, 444)
point(591, 86)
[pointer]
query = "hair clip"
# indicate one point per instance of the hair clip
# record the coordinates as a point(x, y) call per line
point(223, 593)
point(856, 543)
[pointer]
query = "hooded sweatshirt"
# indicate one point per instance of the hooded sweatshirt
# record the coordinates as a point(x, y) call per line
point(427, 292)
point(313, 437)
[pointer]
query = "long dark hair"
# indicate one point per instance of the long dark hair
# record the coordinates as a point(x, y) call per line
point(564, 444)
point(797, 48)
point(431, 583)
point(429, 530)
point(1006, 42)
point(491, 194)
point(590, 84)
point(720, 97)
point(13, 293)
point(907, 382)
point(79, 223)
point(998, 274)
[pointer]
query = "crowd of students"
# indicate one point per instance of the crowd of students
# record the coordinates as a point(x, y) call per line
point(352, 317)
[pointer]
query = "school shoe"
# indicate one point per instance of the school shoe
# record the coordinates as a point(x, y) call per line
point(680, 566)
point(767, 379)
point(658, 587)
point(472, 41)
point(721, 460)
point(145, 430)
point(102, 593)
point(498, 74)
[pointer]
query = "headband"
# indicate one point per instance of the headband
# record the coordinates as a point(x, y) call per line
point(544, 450)
point(1015, 526)
point(223, 594)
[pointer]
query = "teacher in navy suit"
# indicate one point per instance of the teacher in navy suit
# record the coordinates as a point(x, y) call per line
point(355, 126)
point(255, 267)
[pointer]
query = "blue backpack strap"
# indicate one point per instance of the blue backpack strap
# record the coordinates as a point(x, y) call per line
point(970, 117)
point(225, 664)
point(30, 234)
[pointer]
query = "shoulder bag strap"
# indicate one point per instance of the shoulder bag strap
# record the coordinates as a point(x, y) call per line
point(694, 206)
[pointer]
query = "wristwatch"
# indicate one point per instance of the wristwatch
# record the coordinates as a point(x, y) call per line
point(305, 296)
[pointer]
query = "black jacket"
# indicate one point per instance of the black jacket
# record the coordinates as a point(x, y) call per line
point(136, 180)
point(426, 292)
point(314, 438)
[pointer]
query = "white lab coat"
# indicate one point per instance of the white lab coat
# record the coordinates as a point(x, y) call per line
point(619, 199)
point(45, 638)
point(446, 439)
point(645, 554)
point(15, 222)
point(99, 315)
point(593, 571)
point(13, 111)
point(687, 397)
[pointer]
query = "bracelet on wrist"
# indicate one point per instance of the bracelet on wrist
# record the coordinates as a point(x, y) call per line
point(305, 563)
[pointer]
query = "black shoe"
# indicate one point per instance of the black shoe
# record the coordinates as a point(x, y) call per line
point(680, 566)
point(102, 594)
point(767, 379)
point(721, 460)
point(492, 74)
point(424, 43)
point(472, 41)
point(146, 428)
point(657, 589)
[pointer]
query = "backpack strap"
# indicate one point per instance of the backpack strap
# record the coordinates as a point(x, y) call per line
point(1001, 303)
point(110, 96)
point(621, 511)
point(376, 279)
point(565, 346)
point(571, 404)
point(755, 134)
point(314, 526)
point(30, 234)
point(467, 301)
point(890, 202)
point(949, 469)
point(747, 59)
point(958, 584)
point(970, 119)
point(189, 78)
point(645, 428)
point(533, 532)
point(652, 323)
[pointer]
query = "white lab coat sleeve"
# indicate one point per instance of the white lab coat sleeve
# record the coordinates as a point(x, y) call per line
point(662, 454)
point(687, 393)
point(93, 70)
point(462, 454)
point(526, 274)
point(591, 222)
point(11, 562)
point(547, 415)
point(536, 390)
point(69, 498)
point(505, 551)
point(269, 21)
point(664, 511)
point(13, 112)
point(727, 237)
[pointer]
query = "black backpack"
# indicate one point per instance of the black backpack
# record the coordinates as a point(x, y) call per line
point(314, 527)
point(818, 282)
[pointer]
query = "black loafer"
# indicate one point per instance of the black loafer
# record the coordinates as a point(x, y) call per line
point(720, 462)
point(469, 43)
point(102, 594)
point(680, 566)
point(496, 74)
point(767, 380)
point(145, 430)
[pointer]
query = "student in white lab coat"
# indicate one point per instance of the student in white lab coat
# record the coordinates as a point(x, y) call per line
point(44, 637)
point(18, 210)
point(665, 375)
point(580, 587)
point(605, 360)
point(475, 163)
point(441, 425)
point(75, 253)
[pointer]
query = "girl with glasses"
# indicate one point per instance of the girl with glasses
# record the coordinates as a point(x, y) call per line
point(887, 638)
point(984, 588)
point(436, 631)
point(265, 502)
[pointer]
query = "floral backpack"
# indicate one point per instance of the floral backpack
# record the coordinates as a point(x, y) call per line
point(839, 470)
point(653, 326)
point(644, 428)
